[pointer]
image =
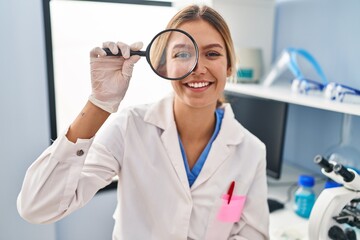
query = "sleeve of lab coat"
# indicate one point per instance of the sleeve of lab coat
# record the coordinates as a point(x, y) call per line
point(254, 223)
point(59, 181)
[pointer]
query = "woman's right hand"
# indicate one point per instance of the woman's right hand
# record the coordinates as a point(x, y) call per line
point(110, 75)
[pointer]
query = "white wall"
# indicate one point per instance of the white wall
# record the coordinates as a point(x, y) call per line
point(24, 121)
point(251, 23)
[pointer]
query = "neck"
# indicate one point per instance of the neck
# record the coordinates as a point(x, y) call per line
point(194, 123)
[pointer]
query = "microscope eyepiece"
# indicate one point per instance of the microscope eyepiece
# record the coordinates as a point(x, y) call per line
point(342, 171)
point(325, 164)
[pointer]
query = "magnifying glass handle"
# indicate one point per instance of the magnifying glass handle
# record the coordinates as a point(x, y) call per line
point(140, 53)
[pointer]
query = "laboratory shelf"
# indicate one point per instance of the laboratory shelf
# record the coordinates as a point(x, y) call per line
point(282, 92)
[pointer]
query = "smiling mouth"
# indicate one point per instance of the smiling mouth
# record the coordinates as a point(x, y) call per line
point(198, 84)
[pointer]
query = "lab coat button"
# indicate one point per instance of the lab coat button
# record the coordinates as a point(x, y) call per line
point(80, 152)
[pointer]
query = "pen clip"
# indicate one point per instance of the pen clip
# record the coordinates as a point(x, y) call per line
point(230, 191)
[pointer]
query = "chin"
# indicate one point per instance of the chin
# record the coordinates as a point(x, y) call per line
point(202, 104)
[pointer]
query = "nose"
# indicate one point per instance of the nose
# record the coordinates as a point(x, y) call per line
point(200, 67)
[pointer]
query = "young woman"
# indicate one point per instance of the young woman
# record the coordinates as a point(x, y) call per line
point(187, 169)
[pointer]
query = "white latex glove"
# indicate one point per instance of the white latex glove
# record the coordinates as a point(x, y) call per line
point(110, 75)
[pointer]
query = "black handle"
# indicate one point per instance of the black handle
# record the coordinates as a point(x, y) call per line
point(140, 53)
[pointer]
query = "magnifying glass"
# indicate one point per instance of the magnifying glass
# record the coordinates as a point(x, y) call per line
point(172, 54)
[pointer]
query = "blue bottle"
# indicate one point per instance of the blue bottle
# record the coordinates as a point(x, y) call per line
point(305, 197)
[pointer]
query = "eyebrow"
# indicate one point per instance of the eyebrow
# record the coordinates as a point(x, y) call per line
point(181, 45)
point(213, 45)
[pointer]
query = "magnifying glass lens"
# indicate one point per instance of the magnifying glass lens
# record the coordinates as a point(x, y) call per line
point(173, 54)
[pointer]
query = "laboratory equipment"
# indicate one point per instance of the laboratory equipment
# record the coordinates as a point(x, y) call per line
point(249, 65)
point(289, 60)
point(351, 179)
point(338, 207)
point(350, 234)
point(327, 168)
point(337, 92)
point(172, 54)
point(304, 197)
point(303, 86)
point(337, 233)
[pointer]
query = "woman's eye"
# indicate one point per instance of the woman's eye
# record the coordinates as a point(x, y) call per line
point(182, 55)
point(213, 54)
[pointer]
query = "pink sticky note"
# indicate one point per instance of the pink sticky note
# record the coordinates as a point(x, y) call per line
point(231, 212)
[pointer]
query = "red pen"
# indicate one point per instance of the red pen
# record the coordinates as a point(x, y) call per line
point(230, 191)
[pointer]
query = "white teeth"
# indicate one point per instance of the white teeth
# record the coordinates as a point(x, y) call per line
point(198, 84)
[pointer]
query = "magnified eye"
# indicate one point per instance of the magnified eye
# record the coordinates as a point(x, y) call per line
point(182, 55)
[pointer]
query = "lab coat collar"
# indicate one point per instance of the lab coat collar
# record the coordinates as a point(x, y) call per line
point(231, 133)
point(161, 114)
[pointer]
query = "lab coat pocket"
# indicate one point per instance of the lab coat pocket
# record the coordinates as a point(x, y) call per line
point(231, 211)
point(224, 216)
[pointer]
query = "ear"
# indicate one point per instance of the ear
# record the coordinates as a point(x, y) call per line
point(228, 71)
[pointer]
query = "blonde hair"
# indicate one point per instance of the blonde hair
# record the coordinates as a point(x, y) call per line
point(208, 14)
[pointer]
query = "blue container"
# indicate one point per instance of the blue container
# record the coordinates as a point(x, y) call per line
point(304, 198)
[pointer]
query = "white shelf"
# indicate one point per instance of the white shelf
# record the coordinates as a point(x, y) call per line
point(283, 93)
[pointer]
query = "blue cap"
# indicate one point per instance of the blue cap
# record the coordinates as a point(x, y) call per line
point(306, 181)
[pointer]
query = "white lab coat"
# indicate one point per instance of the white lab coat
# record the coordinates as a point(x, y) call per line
point(155, 201)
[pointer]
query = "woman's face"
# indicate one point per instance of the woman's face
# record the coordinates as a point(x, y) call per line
point(204, 86)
